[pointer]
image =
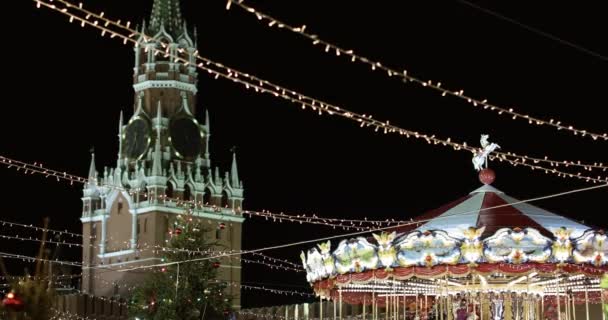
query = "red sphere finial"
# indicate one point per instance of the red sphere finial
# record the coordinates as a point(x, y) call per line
point(487, 176)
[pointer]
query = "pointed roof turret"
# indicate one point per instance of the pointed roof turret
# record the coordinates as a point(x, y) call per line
point(234, 174)
point(92, 177)
point(167, 14)
point(217, 175)
point(120, 124)
point(207, 121)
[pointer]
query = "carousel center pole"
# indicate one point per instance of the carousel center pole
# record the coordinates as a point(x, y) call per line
point(559, 308)
point(320, 307)
point(404, 306)
point(587, 302)
point(396, 306)
point(363, 312)
point(373, 305)
point(573, 306)
point(387, 300)
point(602, 301)
point(335, 309)
point(340, 299)
point(568, 306)
point(480, 305)
point(474, 298)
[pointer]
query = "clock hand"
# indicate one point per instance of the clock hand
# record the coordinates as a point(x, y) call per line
point(135, 142)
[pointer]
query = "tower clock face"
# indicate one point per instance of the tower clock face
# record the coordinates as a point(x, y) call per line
point(186, 137)
point(137, 138)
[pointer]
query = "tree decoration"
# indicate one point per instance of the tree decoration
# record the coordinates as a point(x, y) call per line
point(222, 226)
point(12, 302)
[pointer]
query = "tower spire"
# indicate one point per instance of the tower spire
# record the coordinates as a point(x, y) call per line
point(234, 174)
point(120, 123)
point(92, 177)
point(167, 14)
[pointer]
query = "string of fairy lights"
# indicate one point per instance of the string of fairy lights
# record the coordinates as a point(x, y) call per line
point(293, 94)
point(269, 262)
point(65, 315)
point(28, 168)
point(130, 287)
point(30, 226)
point(331, 48)
point(323, 107)
point(345, 224)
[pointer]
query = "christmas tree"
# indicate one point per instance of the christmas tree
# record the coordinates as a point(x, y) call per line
point(30, 297)
point(184, 290)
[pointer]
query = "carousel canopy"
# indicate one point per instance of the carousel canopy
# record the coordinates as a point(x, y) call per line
point(485, 232)
point(481, 208)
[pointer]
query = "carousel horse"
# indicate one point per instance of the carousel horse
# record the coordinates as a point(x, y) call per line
point(481, 158)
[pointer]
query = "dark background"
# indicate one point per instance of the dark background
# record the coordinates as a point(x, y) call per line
point(64, 87)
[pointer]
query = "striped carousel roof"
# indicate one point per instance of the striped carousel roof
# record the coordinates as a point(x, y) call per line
point(492, 208)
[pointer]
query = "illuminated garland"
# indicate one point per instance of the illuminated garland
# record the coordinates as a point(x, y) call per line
point(280, 217)
point(293, 94)
point(403, 74)
point(258, 315)
point(129, 287)
point(278, 291)
point(37, 168)
point(292, 267)
point(32, 259)
point(52, 231)
point(317, 105)
point(297, 265)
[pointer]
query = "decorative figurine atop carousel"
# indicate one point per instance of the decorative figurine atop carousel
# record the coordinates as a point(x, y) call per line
point(481, 157)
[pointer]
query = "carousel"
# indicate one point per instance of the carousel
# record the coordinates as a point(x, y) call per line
point(483, 256)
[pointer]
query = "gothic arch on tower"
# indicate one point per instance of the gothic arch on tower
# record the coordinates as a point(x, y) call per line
point(225, 198)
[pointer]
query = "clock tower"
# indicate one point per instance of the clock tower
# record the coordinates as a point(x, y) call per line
point(163, 158)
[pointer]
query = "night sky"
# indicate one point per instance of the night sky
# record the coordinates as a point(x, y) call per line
point(64, 87)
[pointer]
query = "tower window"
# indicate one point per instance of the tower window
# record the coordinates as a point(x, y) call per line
point(145, 225)
point(119, 206)
point(218, 234)
point(224, 199)
point(138, 226)
point(169, 190)
point(187, 193)
point(207, 197)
